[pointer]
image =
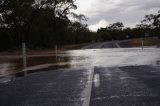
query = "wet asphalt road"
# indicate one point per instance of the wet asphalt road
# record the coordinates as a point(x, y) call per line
point(56, 88)
point(112, 44)
point(109, 44)
point(126, 86)
point(116, 86)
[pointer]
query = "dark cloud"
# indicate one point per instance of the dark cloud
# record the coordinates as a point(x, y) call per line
point(130, 12)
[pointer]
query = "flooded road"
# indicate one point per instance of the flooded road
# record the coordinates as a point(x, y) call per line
point(93, 77)
point(117, 57)
point(14, 64)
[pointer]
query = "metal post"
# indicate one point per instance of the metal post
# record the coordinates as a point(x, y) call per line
point(24, 55)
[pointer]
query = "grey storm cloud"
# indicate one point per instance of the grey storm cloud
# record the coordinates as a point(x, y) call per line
point(130, 12)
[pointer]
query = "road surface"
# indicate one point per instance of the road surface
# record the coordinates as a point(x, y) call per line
point(112, 44)
point(126, 86)
point(96, 77)
point(109, 44)
point(57, 88)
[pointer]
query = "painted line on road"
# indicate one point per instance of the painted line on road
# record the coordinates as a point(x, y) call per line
point(89, 89)
point(96, 80)
point(117, 45)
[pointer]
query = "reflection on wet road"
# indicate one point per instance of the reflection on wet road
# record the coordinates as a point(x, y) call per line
point(127, 86)
point(96, 77)
point(114, 57)
point(13, 64)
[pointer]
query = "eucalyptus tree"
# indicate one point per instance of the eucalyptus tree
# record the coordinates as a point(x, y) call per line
point(25, 17)
point(151, 21)
point(116, 26)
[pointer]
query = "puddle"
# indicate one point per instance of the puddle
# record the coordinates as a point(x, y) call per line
point(13, 76)
point(11, 67)
point(5, 67)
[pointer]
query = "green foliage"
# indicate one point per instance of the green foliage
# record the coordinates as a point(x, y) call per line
point(112, 32)
point(40, 23)
point(116, 31)
point(151, 21)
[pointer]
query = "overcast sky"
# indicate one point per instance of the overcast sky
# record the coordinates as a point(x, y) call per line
point(104, 12)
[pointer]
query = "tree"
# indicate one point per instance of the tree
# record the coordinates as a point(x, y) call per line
point(34, 21)
point(151, 21)
point(111, 32)
point(156, 22)
point(19, 14)
point(116, 26)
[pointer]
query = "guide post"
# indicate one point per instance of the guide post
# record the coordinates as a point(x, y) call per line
point(24, 55)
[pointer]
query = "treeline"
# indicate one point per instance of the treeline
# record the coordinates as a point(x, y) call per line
point(40, 37)
point(149, 27)
point(40, 24)
point(106, 34)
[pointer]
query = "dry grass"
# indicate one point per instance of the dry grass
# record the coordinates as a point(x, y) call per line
point(147, 42)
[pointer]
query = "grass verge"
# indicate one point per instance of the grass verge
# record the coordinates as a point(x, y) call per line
point(147, 42)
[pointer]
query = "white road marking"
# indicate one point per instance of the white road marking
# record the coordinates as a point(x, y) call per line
point(88, 89)
point(97, 80)
point(117, 45)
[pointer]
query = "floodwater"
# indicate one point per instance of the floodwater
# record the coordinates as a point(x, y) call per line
point(14, 65)
point(79, 59)
point(117, 57)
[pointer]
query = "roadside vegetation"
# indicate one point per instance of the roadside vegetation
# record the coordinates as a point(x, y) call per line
point(149, 27)
point(146, 42)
